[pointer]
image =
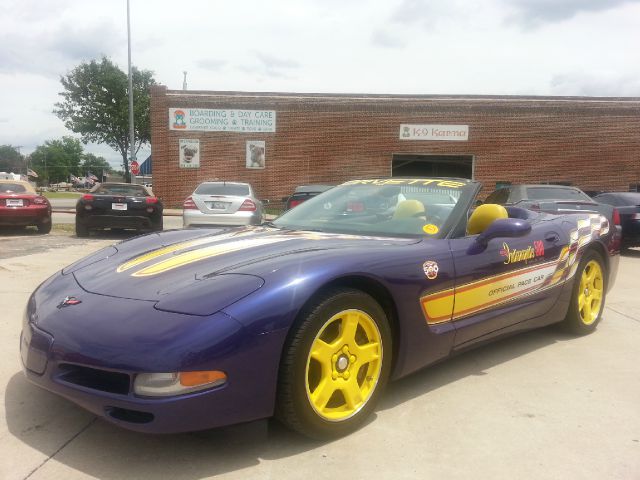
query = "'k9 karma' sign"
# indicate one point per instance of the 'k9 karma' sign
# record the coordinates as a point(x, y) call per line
point(222, 120)
point(456, 133)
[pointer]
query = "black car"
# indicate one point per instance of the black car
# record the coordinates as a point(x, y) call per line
point(118, 205)
point(628, 206)
point(304, 193)
point(557, 199)
point(535, 196)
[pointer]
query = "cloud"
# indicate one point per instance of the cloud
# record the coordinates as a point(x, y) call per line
point(33, 10)
point(595, 85)
point(211, 64)
point(533, 13)
point(50, 52)
point(383, 38)
point(525, 13)
point(418, 12)
point(85, 42)
point(270, 66)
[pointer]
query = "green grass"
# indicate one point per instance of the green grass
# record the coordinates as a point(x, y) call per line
point(61, 194)
point(64, 227)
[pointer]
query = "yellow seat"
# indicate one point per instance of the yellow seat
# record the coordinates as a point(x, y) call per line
point(483, 216)
point(409, 209)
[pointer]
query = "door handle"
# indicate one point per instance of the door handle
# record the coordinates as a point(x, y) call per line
point(551, 237)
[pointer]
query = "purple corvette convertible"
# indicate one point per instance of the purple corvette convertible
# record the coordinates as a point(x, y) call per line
point(308, 317)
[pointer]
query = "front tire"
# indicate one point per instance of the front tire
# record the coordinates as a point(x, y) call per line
point(589, 292)
point(335, 365)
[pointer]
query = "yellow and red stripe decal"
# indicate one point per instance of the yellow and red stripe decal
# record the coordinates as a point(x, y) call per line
point(456, 303)
point(453, 304)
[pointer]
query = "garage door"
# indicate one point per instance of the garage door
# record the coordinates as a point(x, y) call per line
point(410, 165)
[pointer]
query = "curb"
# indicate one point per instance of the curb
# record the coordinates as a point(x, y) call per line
point(165, 213)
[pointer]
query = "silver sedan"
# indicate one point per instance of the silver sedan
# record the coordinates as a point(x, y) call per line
point(222, 204)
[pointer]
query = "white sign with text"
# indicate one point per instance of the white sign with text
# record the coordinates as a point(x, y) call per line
point(222, 120)
point(455, 133)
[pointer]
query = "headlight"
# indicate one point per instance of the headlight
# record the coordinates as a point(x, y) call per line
point(168, 384)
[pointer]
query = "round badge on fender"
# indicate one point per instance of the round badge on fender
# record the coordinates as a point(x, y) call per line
point(430, 269)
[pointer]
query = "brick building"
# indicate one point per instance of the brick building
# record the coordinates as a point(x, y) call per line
point(276, 141)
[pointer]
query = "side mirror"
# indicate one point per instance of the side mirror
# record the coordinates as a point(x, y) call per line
point(503, 227)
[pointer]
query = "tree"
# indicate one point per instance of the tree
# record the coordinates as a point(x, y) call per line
point(96, 165)
point(10, 159)
point(56, 160)
point(95, 105)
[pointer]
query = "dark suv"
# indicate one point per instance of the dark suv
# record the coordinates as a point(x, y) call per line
point(304, 193)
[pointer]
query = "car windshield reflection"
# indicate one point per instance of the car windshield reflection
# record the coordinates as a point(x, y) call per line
point(402, 207)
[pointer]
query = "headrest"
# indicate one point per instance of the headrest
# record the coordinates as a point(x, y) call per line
point(409, 209)
point(483, 216)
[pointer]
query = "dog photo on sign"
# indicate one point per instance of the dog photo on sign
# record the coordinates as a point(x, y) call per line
point(255, 154)
point(189, 153)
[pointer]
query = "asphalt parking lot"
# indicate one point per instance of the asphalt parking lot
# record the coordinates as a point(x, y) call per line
point(538, 405)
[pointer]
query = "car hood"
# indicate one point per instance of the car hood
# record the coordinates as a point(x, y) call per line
point(153, 266)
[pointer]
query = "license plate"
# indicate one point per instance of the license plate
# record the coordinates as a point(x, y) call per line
point(12, 202)
point(218, 205)
point(118, 206)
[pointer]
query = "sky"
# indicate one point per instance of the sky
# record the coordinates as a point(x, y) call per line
point(488, 47)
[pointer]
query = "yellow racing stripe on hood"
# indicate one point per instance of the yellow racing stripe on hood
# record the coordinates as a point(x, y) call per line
point(179, 246)
point(162, 251)
point(204, 253)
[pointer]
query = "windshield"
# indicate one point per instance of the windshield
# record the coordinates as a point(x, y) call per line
point(133, 190)
point(395, 207)
point(232, 189)
point(8, 187)
point(550, 193)
point(629, 198)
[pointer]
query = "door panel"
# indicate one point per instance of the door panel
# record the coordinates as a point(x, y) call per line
point(512, 280)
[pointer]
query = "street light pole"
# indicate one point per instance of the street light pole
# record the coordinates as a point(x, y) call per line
point(131, 132)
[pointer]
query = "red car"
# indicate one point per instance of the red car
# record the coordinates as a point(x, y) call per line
point(21, 206)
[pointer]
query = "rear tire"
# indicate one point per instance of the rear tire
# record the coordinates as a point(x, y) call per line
point(335, 365)
point(44, 228)
point(158, 226)
point(81, 230)
point(589, 292)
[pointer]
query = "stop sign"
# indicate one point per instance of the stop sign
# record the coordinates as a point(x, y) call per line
point(135, 168)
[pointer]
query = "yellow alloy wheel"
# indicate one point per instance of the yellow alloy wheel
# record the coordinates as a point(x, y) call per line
point(344, 365)
point(590, 293)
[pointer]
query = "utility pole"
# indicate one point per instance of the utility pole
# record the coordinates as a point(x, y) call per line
point(132, 139)
point(184, 81)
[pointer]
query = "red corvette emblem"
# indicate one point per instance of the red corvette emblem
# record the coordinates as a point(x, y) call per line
point(69, 301)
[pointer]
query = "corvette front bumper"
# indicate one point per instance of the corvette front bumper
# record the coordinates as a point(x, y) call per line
point(95, 366)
